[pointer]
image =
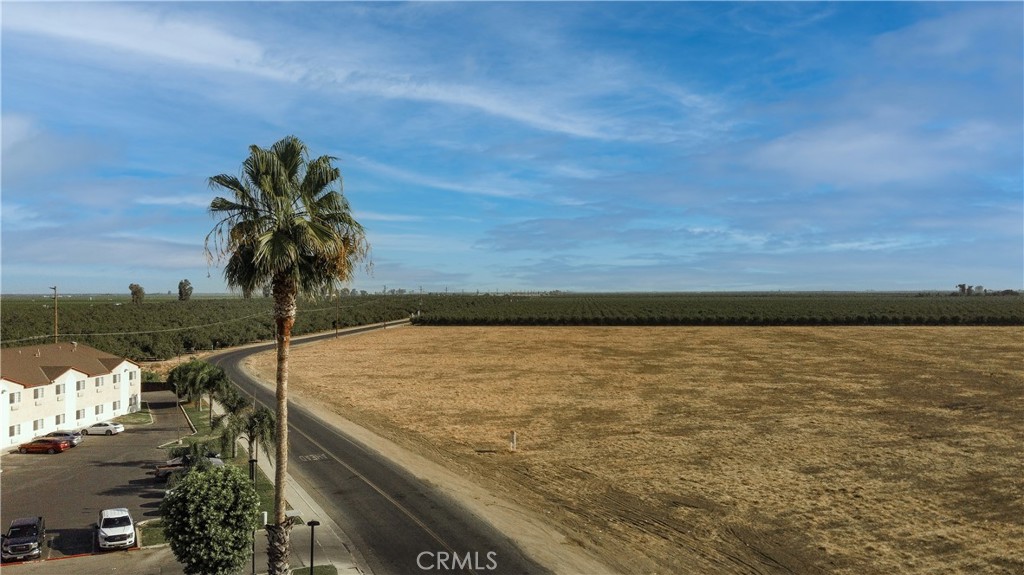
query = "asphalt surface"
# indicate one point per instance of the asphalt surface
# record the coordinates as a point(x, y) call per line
point(397, 523)
point(70, 489)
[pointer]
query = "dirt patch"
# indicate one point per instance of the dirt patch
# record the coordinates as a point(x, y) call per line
point(715, 450)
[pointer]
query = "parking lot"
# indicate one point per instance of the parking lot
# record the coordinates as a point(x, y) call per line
point(70, 489)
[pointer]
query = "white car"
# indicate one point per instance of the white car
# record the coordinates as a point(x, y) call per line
point(115, 529)
point(103, 428)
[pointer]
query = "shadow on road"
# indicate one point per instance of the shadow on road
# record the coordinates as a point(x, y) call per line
point(141, 464)
point(72, 541)
point(134, 487)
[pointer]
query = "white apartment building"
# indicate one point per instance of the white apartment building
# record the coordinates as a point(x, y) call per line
point(62, 386)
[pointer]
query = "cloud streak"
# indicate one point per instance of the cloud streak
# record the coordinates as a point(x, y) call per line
point(148, 33)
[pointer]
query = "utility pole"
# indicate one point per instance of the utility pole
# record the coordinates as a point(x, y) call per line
point(54, 288)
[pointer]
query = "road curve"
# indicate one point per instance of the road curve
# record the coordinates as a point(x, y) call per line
point(398, 524)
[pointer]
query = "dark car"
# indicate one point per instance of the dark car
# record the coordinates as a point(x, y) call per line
point(24, 540)
point(164, 471)
point(44, 445)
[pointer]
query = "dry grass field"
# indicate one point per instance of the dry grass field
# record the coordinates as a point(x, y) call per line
point(715, 450)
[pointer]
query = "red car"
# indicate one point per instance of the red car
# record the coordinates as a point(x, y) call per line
point(44, 445)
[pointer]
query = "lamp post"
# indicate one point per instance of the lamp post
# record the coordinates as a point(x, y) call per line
point(312, 540)
point(252, 477)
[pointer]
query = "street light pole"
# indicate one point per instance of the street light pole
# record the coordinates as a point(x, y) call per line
point(252, 477)
point(312, 527)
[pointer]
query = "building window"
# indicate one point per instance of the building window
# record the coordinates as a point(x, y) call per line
point(80, 414)
point(38, 424)
point(59, 420)
point(131, 375)
point(14, 430)
point(117, 405)
point(80, 385)
point(38, 392)
point(15, 397)
point(117, 378)
point(99, 409)
point(99, 381)
point(59, 389)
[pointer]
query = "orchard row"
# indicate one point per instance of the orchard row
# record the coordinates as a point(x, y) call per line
point(163, 328)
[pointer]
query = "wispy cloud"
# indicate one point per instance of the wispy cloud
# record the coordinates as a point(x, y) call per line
point(29, 148)
point(494, 186)
point(21, 217)
point(877, 152)
point(192, 200)
point(149, 32)
point(381, 217)
point(564, 105)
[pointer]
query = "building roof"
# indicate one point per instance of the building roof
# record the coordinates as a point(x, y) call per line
point(36, 365)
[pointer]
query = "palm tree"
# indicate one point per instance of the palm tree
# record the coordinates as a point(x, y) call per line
point(211, 379)
point(197, 377)
point(232, 422)
point(285, 224)
point(183, 378)
point(259, 430)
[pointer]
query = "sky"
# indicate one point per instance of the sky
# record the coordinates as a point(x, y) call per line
point(592, 147)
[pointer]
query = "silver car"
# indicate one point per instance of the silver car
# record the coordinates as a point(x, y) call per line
point(72, 437)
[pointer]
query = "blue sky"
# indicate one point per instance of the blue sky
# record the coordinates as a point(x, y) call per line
point(528, 146)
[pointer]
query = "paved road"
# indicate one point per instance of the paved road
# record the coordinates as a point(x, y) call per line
point(397, 523)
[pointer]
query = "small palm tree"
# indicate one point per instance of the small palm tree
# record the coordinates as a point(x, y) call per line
point(284, 224)
point(196, 378)
point(211, 379)
point(183, 378)
point(259, 430)
point(232, 422)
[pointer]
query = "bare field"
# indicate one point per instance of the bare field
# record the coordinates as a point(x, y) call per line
point(715, 450)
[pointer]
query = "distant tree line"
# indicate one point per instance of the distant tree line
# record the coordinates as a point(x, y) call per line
point(727, 309)
point(163, 329)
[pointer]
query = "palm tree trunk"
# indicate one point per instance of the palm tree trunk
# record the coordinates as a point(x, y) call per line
point(278, 534)
point(278, 546)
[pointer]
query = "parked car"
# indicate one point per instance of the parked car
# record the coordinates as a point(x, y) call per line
point(103, 428)
point(164, 470)
point(44, 445)
point(115, 529)
point(24, 540)
point(72, 437)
